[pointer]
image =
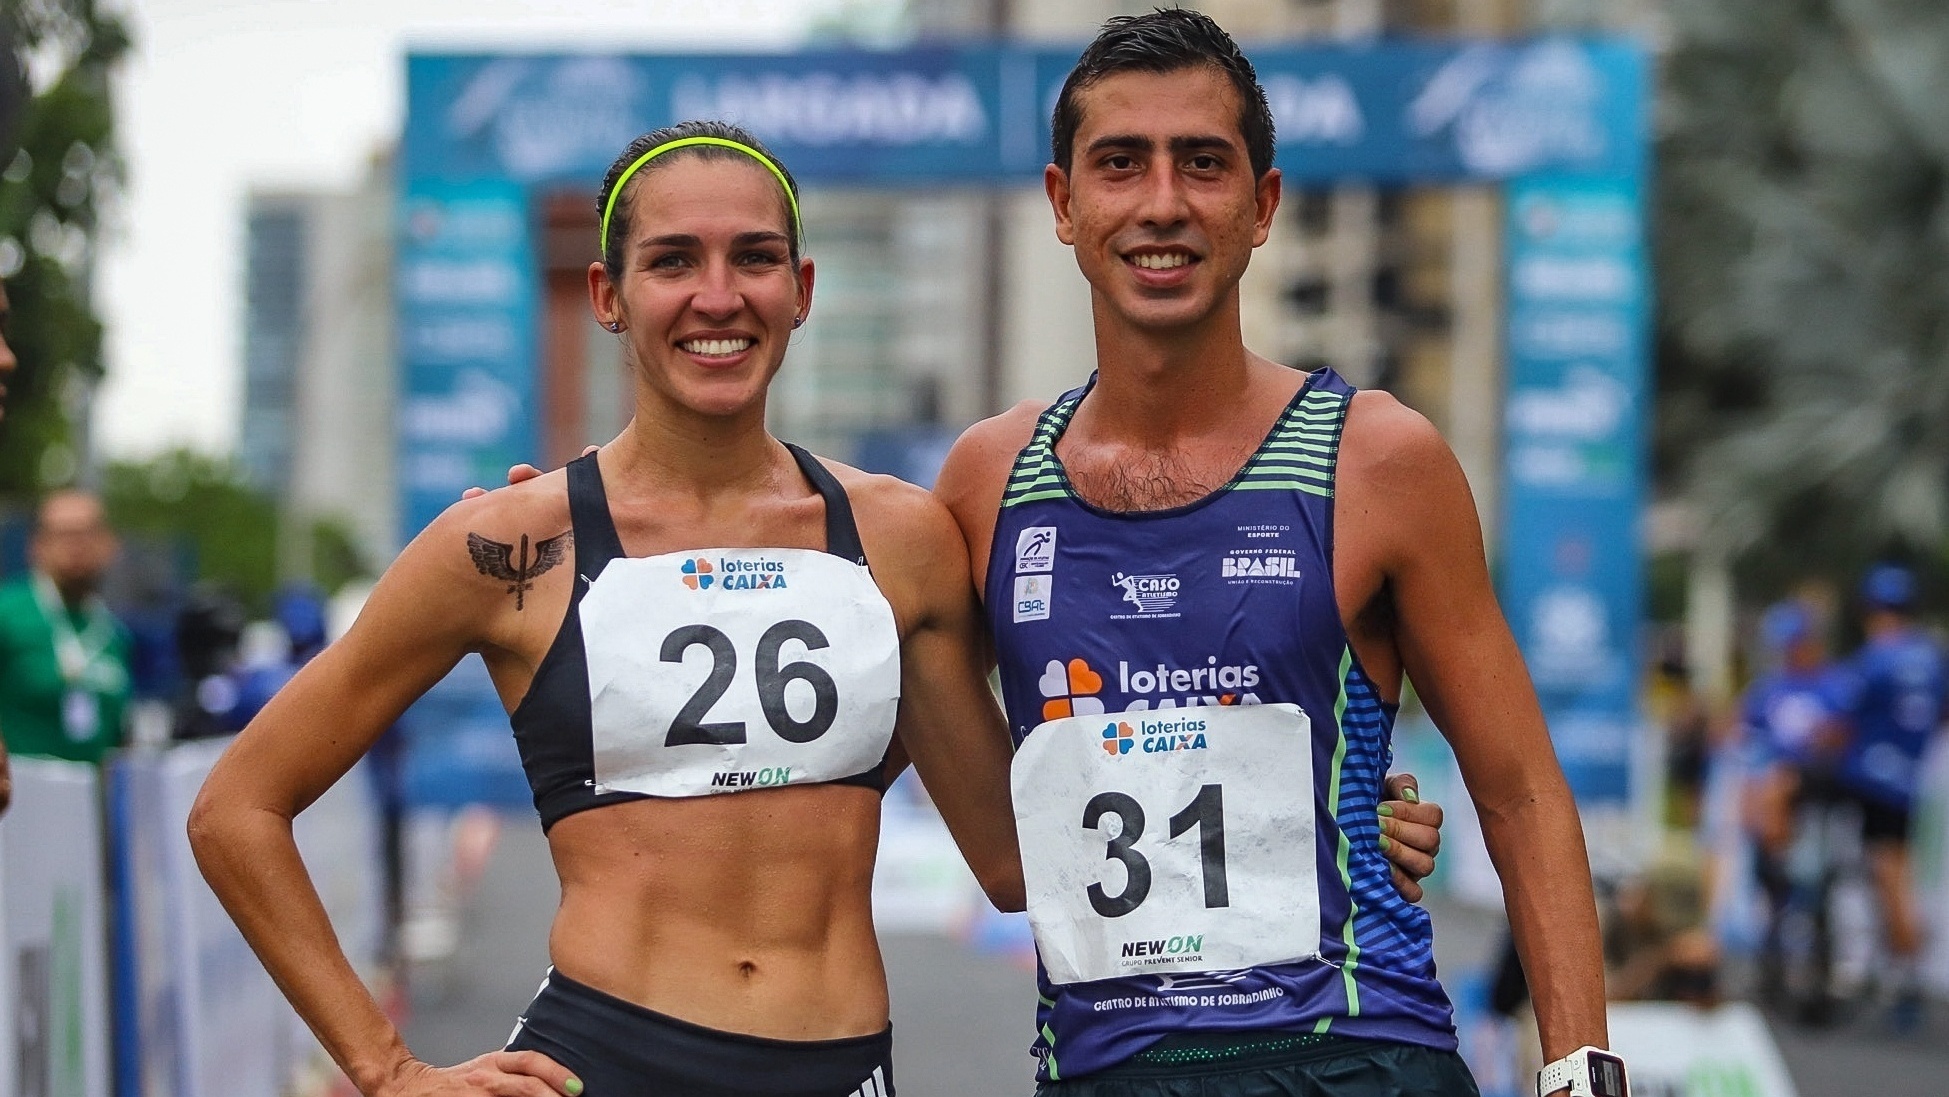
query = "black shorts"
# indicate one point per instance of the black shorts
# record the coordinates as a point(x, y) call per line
point(1273, 1064)
point(1880, 823)
point(620, 1049)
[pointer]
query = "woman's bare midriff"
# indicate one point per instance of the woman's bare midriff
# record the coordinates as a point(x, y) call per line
point(749, 912)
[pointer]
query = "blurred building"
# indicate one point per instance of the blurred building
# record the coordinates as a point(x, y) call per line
point(319, 392)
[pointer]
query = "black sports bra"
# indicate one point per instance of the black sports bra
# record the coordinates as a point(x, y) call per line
point(554, 725)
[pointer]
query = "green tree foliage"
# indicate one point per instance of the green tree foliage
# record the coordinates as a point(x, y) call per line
point(187, 497)
point(51, 192)
point(1803, 266)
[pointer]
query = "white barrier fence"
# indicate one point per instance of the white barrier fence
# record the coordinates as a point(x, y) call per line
point(193, 1012)
point(54, 1034)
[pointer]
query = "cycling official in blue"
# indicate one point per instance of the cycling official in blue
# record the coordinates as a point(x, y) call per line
point(1898, 697)
point(1207, 576)
point(1790, 719)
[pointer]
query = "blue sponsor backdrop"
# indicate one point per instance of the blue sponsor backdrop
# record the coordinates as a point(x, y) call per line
point(1563, 121)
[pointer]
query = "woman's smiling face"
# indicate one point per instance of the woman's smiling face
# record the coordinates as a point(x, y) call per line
point(708, 291)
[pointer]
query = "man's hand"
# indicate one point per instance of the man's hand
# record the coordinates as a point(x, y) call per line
point(1410, 834)
point(518, 474)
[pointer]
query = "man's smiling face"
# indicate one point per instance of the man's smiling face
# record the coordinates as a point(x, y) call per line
point(1160, 202)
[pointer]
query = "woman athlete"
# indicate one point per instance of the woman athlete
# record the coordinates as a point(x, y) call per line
point(721, 668)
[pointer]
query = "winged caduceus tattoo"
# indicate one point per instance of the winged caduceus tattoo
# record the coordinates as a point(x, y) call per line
point(500, 561)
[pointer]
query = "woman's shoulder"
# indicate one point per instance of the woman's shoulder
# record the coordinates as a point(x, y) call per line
point(536, 510)
point(896, 515)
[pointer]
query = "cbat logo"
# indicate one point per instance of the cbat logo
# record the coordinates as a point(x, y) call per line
point(1118, 738)
point(697, 574)
point(1070, 689)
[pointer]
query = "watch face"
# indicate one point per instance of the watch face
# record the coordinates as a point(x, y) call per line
point(1606, 1075)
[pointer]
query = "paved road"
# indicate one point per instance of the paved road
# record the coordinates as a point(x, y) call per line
point(963, 1019)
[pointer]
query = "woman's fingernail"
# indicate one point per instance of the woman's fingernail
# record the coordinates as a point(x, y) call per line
point(1386, 809)
point(574, 1087)
point(1410, 795)
point(1385, 843)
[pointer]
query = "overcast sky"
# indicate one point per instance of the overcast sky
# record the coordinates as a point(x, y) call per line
point(224, 95)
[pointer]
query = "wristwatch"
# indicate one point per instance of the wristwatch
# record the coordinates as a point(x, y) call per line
point(1585, 1072)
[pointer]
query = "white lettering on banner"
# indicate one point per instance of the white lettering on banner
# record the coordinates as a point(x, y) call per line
point(460, 338)
point(460, 282)
point(1322, 111)
point(1588, 278)
point(478, 410)
point(823, 108)
point(583, 110)
point(1588, 406)
point(1566, 334)
point(1169, 845)
point(1514, 112)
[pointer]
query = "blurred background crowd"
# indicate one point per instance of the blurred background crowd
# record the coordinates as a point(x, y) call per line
point(280, 279)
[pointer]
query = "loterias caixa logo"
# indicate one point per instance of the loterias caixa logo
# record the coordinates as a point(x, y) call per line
point(1155, 736)
point(732, 573)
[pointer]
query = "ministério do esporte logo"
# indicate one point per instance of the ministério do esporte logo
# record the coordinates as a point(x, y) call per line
point(1154, 736)
point(733, 573)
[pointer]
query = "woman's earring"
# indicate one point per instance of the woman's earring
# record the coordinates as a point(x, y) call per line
point(614, 326)
point(797, 320)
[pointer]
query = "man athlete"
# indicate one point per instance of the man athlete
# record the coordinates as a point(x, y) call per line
point(1297, 549)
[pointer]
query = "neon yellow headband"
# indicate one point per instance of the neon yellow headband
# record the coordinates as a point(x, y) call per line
point(609, 207)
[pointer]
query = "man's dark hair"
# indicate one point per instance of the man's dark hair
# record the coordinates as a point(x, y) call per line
point(619, 221)
point(1166, 40)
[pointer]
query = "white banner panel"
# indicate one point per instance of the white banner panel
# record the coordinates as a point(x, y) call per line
point(1678, 1051)
point(53, 963)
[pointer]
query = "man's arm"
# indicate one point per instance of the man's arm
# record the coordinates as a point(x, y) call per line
point(1399, 479)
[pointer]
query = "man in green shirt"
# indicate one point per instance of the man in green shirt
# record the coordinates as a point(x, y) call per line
point(64, 659)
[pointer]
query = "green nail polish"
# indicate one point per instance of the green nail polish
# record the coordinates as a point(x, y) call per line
point(1410, 795)
point(1385, 843)
point(574, 1087)
point(1386, 810)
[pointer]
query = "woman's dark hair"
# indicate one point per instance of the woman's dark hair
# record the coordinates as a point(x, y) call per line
point(1166, 40)
point(619, 227)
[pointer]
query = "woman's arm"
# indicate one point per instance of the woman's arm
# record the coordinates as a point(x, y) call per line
point(430, 609)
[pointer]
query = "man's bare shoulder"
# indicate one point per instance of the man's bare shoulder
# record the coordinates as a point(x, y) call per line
point(977, 465)
point(1387, 445)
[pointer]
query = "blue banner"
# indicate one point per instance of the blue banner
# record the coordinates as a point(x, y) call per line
point(978, 115)
point(1573, 471)
point(467, 291)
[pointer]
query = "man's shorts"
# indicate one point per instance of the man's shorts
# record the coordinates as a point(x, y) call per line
point(1274, 1064)
point(620, 1049)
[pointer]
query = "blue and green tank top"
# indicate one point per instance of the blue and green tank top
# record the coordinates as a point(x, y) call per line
point(1226, 600)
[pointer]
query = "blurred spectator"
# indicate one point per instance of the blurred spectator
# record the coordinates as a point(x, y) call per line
point(1898, 693)
point(64, 659)
point(1687, 720)
point(1789, 723)
point(207, 630)
point(1656, 943)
